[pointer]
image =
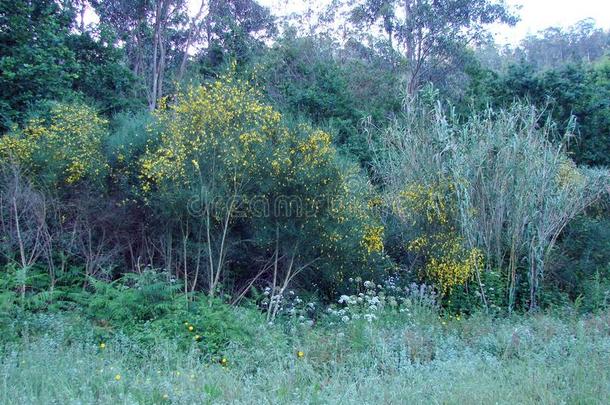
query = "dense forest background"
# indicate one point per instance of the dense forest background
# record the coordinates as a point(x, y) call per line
point(418, 148)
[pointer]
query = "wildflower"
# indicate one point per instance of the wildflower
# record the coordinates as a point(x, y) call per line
point(165, 397)
point(370, 317)
point(102, 345)
point(117, 377)
point(300, 354)
point(191, 328)
point(224, 362)
point(197, 338)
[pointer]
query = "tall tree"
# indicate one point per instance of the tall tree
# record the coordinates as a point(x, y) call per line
point(235, 29)
point(429, 33)
point(153, 33)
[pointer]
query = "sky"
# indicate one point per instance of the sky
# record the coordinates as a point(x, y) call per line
point(535, 15)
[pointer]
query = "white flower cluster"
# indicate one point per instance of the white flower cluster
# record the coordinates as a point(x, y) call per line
point(370, 299)
point(290, 305)
point(367, 302)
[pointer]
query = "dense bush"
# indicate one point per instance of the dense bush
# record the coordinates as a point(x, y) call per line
point(224, 168)
point(475, 179)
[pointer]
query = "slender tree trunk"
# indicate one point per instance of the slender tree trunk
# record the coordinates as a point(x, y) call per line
point(193, 32)
point(152, 102)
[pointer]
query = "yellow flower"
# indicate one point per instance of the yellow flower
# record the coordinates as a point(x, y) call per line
point(117, 377)
point(191, 328)
point(372, 239)
point(224, 362)
point(300, 354)
point(102, 345)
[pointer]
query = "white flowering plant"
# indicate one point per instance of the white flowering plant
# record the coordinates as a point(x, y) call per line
point(370, 301)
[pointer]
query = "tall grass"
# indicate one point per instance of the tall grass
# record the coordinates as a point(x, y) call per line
point(417, 358)
point(513, 185)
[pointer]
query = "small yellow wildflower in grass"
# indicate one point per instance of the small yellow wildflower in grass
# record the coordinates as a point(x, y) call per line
point(300, 354)
point(165, 397)
point(102, 345)
point(197, 338)
point(224, 362)
point(117, 377)
point(191, 328)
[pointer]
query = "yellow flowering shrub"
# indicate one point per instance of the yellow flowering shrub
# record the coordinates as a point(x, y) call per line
point(418, 202)
point(222, 137)
point(569, 175)
point(447, 262)
point(65, 147)
point(223, 122)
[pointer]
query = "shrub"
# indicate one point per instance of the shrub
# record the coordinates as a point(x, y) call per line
point(225, 168)
point(491, 201)
point(63, 147)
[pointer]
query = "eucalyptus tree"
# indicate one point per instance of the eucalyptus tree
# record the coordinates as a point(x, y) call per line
point(153, 32)
point(430, 33)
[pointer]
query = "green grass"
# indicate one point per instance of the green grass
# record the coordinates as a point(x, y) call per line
point(395, 360)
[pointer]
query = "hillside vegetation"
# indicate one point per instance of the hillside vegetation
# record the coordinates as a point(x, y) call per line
point(370, 202)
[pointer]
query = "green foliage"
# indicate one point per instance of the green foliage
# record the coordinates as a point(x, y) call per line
point(133, 299)
point(307, 78)
point(43, 59)
point(101, 75)
point(512, 217)
point(36, 62)
point(568, 93)
point(581, 259)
